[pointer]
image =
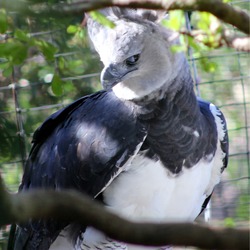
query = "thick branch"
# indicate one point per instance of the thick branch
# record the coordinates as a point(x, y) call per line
point(238, 43)
point(73, 206)
point(223, 11)
point(231, 15)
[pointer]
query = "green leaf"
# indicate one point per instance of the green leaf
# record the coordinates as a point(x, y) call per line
point(57, 85)
point(99, 17)
point(203, 21)
point(207, 65)
point(176, 20)
point(69, 86)
point(3, 21)
point(4, 64)
point(81, 33)
point(2, 49)
point(14, 51)
point(194, 44)
point(7, 48)
point(19, 54)
point(21, 35)
point(47, 49)
point(178, 48)
point(72, 29)
point(61, 63)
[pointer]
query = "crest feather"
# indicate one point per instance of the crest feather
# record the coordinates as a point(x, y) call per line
point(115, 13)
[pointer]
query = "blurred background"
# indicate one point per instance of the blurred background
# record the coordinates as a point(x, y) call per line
point(47, 62)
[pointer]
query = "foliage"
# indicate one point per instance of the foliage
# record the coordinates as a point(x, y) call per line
point(205, 36)
point(98, 16)
point(45, 58)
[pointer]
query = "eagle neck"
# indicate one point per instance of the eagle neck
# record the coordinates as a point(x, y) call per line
point(175, 128)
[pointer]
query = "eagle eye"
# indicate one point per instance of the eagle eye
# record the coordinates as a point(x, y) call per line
point(132, 60)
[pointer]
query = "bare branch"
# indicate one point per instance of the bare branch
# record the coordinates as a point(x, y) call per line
point(73, 206)
point(225, 12)
point(236, 42)
point(231, 40)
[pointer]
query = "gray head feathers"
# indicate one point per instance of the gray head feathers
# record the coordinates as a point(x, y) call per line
point(136, 54)
point(122, 17)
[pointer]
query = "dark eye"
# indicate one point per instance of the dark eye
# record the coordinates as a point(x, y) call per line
point(132, 60)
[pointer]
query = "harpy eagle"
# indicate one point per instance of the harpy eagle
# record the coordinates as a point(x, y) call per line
point(145, 146)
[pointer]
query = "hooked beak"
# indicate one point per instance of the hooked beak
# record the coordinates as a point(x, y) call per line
point(110, 76)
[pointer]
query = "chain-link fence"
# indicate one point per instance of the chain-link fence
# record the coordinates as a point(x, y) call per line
point(26, 99)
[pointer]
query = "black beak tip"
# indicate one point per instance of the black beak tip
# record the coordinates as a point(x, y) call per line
point(108, 79)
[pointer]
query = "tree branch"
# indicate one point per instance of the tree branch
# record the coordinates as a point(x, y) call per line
point(225, 12)
point(236, 42)
point(227, 37)
point(73, 206)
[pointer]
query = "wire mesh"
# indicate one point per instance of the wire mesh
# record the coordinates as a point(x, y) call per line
point(25, 103)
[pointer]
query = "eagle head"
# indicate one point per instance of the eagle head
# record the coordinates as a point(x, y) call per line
point(136, 53)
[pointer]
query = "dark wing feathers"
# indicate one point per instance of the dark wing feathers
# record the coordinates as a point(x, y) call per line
point(81, 146)
point(224, 144)
point(84, 140)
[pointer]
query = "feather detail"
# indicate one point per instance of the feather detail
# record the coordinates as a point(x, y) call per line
point(117, 13)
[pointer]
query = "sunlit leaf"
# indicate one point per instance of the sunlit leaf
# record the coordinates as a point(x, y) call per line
point(212, 67)
point(72, 29)
point(178, 48)
point(194, 44)
point(81, 33)
point(99, 17)
point(203, 21)
point(175, 21)
point(208, 65)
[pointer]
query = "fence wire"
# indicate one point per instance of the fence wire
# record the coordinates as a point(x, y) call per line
point(227, 87)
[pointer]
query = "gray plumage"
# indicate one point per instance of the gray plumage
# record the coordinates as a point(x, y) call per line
point(145, 146)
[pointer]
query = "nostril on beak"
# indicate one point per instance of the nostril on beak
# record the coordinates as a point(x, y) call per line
point(109, 77)
point(113, 70)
